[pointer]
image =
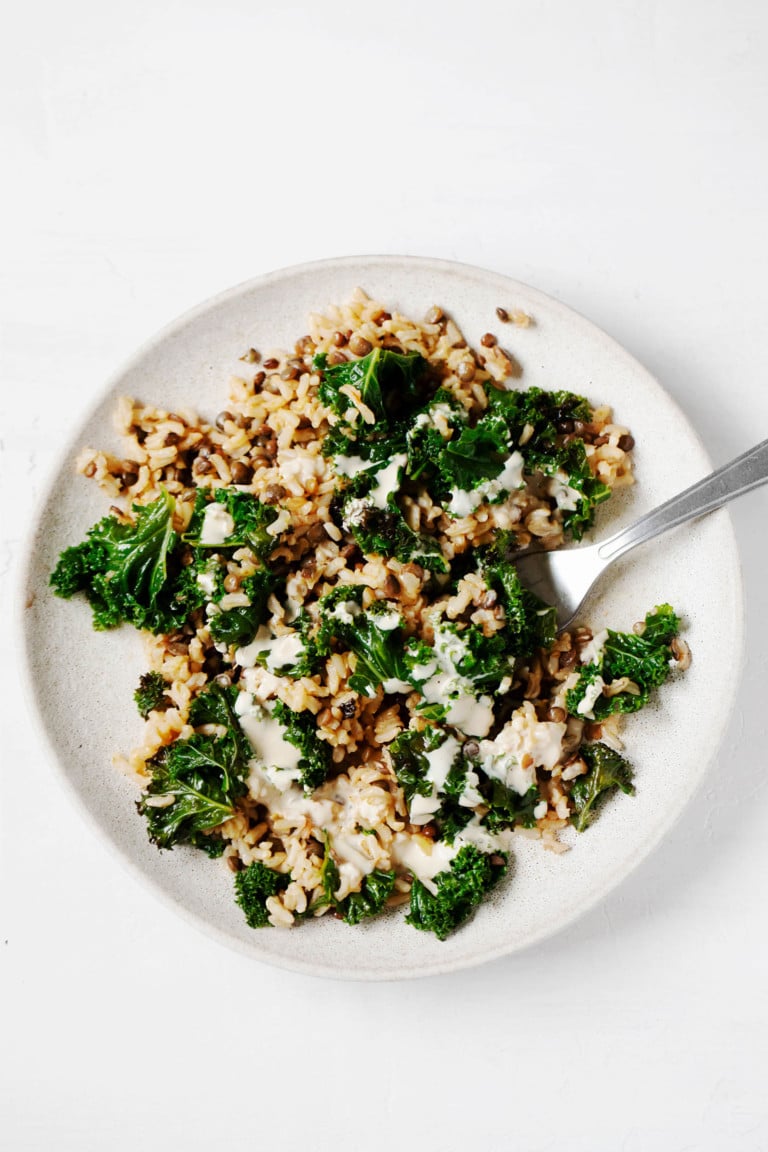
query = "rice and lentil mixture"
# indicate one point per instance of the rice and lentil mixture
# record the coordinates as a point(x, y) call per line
point(357, 706)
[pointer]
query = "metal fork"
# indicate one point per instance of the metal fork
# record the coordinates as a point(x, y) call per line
point(564, 579)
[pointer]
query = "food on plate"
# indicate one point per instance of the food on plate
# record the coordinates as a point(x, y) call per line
point(350, 696)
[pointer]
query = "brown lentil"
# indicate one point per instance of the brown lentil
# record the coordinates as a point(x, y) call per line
point(503, 315)
point(241, 473)
point(360, 346)
point(626, 442)
point(271, 363)
point(273, 493)
point(336, 358)
point(488, 340)
point(339, 339)
point(466, 371)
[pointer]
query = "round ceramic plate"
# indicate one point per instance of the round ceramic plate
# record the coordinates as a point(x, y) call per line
point(83, 681)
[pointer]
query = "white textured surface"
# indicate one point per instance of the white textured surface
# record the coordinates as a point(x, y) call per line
point(611, 154)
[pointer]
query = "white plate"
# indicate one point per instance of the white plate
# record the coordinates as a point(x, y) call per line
point(82, 681)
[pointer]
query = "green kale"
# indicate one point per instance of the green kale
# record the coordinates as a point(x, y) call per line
point(375, 890)
point(507, 808)
point(530, 623)
point(196, 782)
point(210, 843)
point(424, 442)
point(300, 729)
point(541, 420)
point(571, 460)
point(459, 890)
point(535, 416)
point(383, 656)
point(123, 569)
point(483, 661)
point(151, 694)
point(384, 532)
point(253, 887)
point(644, 659)
point(238, 626)
point(390, 383)
point(409, 751)
point(216, 705)
point(250, 518)
point(473, 457)
point(608, 771)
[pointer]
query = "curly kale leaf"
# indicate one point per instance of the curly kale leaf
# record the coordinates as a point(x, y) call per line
point(250, 520)
point(384, 532)
point(377, 638)
point(481, 660)
point(409, 759)
point(459, 891)
point(196, 782)
point(608, 771)
point(540, 415)
point(475, 456)
point(390, 384)
point(253, 887)
point(239, 625)
point(216, 705)
point(123, 568)
point(151, 694)
point(644, 660)
point(540, 419)
point(507, 808)
point(300, 729)
point(570, 461)
point(375, 890)
point(530, 623)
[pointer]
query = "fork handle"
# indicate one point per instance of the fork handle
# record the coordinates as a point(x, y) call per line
point(746, 472)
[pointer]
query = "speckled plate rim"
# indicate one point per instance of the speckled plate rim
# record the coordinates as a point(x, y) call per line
point(358, 265)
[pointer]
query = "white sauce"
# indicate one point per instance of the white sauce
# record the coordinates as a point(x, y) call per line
point(207, 581)
point(387, 621)
point(283, 651)
point(350, 465)
point(425, 863)
point(441, 760)
point(272, 752)
point(463, 502)
point(218, 525)
point(423, 808)
point(592, 694)
point(565, 497)
point(453, 692)
point(387, 481)
point(394, 685)
point(346, 610)
point(592, 653)
point(475, 833)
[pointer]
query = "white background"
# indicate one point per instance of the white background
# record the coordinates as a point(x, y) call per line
point(610, 153)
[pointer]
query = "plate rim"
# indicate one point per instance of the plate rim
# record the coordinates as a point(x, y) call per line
point(23, 637)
